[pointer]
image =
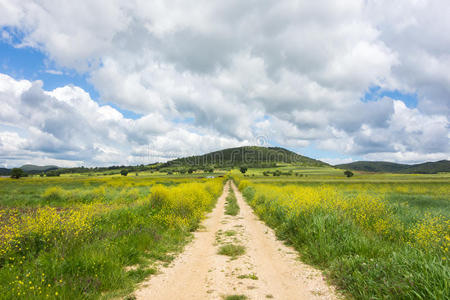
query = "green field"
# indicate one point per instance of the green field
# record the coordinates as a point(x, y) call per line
point(91, 237)
point(96, 236)
point(374, 235)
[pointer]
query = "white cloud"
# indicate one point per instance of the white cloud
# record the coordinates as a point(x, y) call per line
point(54, 72)
point(337, 161)
point(213, 73)
point(65, 126)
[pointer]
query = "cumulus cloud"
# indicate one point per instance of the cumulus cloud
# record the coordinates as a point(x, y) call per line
point(67, 127)
point(222, 73)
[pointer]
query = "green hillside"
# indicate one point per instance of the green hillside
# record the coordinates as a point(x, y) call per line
point(5, 172)
point(428, 168)
point(388, 167)
point(252, 156)
point(37, 169)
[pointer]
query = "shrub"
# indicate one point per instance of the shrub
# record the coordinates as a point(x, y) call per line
point(243, 170)
point(52, 173)
point(348, 173)
point(16, 173)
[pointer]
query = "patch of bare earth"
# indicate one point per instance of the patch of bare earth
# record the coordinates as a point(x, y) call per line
point(267, 270)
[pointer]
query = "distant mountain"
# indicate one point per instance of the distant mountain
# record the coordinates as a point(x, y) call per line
point(429, 167)
point(5, 172)
point(389, 167)
point(248, 155)
point(373, 166)
point(37, 169)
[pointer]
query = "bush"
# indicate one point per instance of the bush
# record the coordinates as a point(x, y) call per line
point(52, 173)
point(16, 173)
point(348, 173)
point(243, 170)
point(184, 205)
point(124, 172)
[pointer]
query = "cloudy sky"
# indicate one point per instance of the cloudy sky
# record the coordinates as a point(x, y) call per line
point(130, 82)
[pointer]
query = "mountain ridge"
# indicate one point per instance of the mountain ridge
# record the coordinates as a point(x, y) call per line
point(390, 167)
point(29, 168)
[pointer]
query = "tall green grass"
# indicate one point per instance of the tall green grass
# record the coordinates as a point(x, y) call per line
point(129, 228)
point(363, 263)
point(231, 206)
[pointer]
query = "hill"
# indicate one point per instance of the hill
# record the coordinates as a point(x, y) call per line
point(5, 172)
point(389, 167)
point(252, 156)
point(428, 167)
point(37, 169)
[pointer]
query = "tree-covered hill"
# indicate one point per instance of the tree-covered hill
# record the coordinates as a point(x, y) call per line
point(37, 169)
point(252, 156)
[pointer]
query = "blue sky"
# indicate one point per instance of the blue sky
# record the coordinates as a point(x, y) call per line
point(334, 81)
point(31, 64)
point(376, 93)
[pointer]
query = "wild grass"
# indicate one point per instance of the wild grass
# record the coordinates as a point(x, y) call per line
point(235, 297)
point(75, 240)
point(231, 250)
point(231, 207)
point(251, 276)
point(373, 241)
point(230, 233)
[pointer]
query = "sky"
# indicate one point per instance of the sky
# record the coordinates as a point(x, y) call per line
point(110, 82)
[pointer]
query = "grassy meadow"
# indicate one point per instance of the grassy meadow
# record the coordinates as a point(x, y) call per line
point(96, 236)
point(374, 235)
point(91, 237)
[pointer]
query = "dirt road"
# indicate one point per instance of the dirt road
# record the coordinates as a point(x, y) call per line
point(268, 269)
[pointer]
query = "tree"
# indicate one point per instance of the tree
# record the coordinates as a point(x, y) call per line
point(348, 173)
point(190, 170)
point(52, 173)
point(16, 173)
point(243, 170)
point(124, 172)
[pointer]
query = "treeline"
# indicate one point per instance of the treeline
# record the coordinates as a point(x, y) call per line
point(229, 166)
point(280, 173)
point(111, 170)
